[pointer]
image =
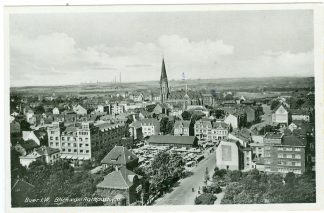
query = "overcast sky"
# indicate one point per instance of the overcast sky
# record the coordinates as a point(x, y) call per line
point(58, 49)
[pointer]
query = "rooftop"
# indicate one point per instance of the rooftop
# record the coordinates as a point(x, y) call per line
point(118, 179)
point(119, 155)
point(170, 139)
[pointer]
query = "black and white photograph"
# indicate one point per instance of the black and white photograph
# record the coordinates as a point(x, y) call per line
point(161, 106)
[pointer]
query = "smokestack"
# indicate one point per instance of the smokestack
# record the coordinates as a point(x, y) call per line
point(120, 77)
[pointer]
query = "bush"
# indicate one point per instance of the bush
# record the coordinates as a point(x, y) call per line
point(205, 199)
point(213, 189)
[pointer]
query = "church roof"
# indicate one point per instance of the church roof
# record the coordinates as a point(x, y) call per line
point(163, 72)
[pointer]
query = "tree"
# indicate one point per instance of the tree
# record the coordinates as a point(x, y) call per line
point(274, 104)
point(169, 127)
point(163, 124)
point(39, 110)
point(206, 176)
point(186, 115)
point(165, 170)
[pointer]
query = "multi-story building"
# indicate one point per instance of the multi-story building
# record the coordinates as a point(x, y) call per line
point(74, 142)
point(213, 131)
point(283, 154)
point(202, 129)
point(116, 108)
point(229, 155)
point(150, 126)
point(181, 128)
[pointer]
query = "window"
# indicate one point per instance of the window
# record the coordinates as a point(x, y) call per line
point(63, 150)
point(280, 148)
point(297, 149)
point(52, 132)
point(51, 143)
point(69, 150)
point(57, 144)
point(289, 155)
point(80, 145)
point(288, 149)
point(81, 151)
point(63, 138)
point(87, 151)
point(298, 156)
point(280, 155)
point(74, 145)
point(75, 150)
point(51, 138)
point(56, 138)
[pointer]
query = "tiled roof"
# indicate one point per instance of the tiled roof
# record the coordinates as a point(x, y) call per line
point(29, 144)
point(170, 139)
point(119, 155)
point(44, 150)
point(118, 179)
point(293, 141)
point(273, 135)
point(220, 125)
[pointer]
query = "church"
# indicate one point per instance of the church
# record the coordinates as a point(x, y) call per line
point(178, 98)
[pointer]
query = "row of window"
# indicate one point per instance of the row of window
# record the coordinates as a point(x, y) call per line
point(289, 163)
point(297, 149)
point(296, 156)
point(74, 144)
point(75, 150)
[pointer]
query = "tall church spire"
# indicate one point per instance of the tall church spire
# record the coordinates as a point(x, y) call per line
point(164, 83)
point(163, 73)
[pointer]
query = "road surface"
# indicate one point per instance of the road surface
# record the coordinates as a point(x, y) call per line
point(182, 194)
point(266, 118)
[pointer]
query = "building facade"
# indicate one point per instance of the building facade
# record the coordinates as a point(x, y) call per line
point(283, 154)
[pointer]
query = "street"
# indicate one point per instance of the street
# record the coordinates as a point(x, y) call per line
point(182, 194)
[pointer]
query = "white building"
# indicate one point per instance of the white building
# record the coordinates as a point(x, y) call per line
point(232, 120)
point(181, 128)
point(227, 155)
point(280, 115)
point(211, 131)
point(73, 142)
point(150, 126)
point(116, 108)
point(47, 154)
point(56, 111)
point(79, 110)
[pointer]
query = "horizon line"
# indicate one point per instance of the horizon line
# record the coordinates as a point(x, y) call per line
point(130, 82)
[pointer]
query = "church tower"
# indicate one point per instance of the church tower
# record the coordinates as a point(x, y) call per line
point(164, 84)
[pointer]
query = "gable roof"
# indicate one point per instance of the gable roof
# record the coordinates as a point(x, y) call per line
point(118, 179)
point(279, 105)
point(119, 155)
point(170, 139)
